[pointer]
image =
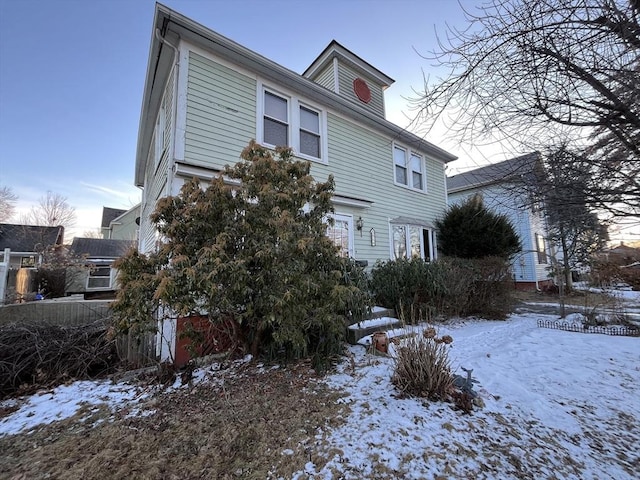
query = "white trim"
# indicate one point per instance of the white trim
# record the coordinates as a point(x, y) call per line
point(351, 202)
point(336, 77)
point(180, 99)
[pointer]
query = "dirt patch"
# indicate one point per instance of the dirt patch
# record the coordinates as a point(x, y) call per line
point(246, 423)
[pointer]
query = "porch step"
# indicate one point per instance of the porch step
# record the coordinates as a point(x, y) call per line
point(381, 319)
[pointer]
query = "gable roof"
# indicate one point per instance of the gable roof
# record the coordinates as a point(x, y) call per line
point(29, 238)
point(169, 27)
point(110, 214)
point(505, 171)
point(333, 50)
point(100, 247)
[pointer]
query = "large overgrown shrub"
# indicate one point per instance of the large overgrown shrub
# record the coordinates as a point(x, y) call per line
point(446, 287)
point(251, 249)
point(471, 230)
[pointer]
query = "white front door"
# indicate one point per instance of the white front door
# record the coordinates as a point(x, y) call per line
point(341, 234)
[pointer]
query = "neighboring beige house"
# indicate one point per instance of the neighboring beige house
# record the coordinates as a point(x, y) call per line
point(500, 186)
point(120, 224)
point(21, 248)
point(206, 97)
point(98, 281)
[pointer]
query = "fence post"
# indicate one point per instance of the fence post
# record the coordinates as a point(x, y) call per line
point(4, 271)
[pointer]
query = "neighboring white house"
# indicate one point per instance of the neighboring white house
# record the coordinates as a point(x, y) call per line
point(206, 97)
point(501, 188)
point(98, 281)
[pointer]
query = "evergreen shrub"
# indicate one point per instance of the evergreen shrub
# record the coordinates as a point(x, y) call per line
point(447, 287)
point(252, 251)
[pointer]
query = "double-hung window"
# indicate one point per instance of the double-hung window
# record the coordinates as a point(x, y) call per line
point(409, 168)
point(287, 121)
point(412, 241)
point(99, 277)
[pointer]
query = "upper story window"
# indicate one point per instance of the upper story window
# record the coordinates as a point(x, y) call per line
point(287, 121)
point(409, 168)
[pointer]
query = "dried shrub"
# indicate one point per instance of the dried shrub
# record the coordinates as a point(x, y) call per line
point(36, 356)
point(423, 368)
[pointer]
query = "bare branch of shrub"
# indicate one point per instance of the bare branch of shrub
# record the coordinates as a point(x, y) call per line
point(423, 368)
point(36, 356)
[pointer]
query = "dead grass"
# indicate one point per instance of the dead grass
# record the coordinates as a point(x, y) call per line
point(236, 429)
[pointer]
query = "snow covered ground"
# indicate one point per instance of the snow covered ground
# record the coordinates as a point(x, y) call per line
point(557, 405)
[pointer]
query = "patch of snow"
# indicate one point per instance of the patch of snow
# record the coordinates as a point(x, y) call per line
point(63, 402)
point(551, 397)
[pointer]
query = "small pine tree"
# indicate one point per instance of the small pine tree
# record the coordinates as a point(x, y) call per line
point(254, 252)
point(471, 230)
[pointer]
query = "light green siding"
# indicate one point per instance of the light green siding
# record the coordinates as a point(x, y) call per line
point(362, 165)
point(326, 78)
point(157, 165)
point(221, 113)
point(346, 76)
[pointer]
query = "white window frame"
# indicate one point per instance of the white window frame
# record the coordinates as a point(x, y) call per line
point(409, 154)
point(100, 287)
point(407, 230)
point(294, 104)
point(341, 217)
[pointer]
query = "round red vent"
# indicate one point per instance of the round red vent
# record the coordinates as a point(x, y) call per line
point(361, 89)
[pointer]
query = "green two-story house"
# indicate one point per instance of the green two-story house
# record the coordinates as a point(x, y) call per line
point(206, 97)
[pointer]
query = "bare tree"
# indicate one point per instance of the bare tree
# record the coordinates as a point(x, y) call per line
point(531, 71)
point(563, 187)
point(7, 203)
point(52, 210)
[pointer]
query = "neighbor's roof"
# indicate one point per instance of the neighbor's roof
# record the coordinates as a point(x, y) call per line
point(172, 27)
point(109, 214)
point(100, 247)
point(507, 170)
point(29, 238)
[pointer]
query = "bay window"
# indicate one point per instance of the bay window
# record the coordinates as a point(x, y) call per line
point(412, 241)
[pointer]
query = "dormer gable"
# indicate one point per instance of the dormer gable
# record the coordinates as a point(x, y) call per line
point(346, 74)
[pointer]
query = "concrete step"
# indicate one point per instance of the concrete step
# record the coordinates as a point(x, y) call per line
point(367, 327)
